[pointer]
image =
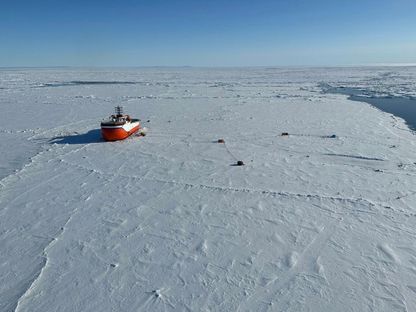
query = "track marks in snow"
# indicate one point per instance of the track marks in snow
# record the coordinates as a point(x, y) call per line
point(164, 252)
point(231, 189)
point(303, 262)
point(52, 178)
point(28, 292)
point(355, 156)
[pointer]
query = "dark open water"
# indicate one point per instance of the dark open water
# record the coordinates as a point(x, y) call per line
point(398, 106)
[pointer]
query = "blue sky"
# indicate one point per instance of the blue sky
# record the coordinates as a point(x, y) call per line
point(207, 33)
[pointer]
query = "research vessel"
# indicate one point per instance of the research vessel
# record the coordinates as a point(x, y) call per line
point(119, 126)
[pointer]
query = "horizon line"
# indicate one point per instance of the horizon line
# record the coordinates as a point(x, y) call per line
point(215, 66)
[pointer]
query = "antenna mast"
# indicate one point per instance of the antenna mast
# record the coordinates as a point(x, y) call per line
point(119, 111)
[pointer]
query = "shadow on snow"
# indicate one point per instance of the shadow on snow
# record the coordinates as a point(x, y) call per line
point(92, 136)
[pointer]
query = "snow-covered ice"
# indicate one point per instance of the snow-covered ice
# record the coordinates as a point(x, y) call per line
point(166, 222)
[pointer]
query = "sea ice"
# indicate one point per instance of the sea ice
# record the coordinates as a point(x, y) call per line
point(165, 222)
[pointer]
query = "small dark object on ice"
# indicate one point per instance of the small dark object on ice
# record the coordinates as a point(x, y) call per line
point(142, 132)
point(284, 133)
point(148, 120)
point(220, 141)
point(334, 136)
point(156, 293)
point(240, 163)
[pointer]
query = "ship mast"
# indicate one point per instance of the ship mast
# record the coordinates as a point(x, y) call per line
point(119, 111)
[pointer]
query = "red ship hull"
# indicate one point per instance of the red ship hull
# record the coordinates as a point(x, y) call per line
point(115, 133)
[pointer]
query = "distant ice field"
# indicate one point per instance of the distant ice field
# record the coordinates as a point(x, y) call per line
point(321, 219)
